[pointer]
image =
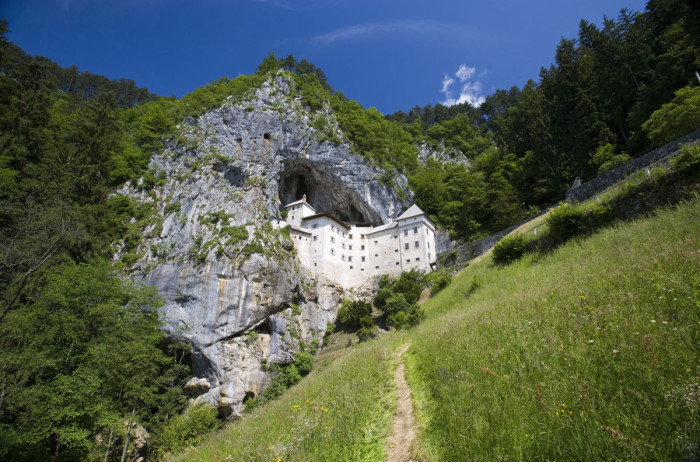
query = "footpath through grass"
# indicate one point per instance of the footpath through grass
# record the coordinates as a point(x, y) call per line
point(341, 411)
point(589, 352)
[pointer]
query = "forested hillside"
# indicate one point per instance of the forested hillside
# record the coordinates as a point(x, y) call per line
point(80, 348)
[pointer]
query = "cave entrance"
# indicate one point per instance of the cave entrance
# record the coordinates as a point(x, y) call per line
point(325, 192)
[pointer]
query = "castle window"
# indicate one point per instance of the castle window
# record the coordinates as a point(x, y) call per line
point(415, 230)
point(408, 260)
point(292, 217)
point(405, 232)
point(417, 244)
point(363, 258)
point(376, 267)
point(315, 264)
point(349, 257)
point(344, 244)
point(396, 250)
point(405, 246)
point(428, 244)
point(350, 266)
point(343, 257)
point(332, 251)
point(376, 254)
point(350, 247)
point(315, 237)
point(362, 236)
point(396, 237)
point(397, 263)
point(350, 236)
point(332, 239)
point(362, 247)
point(417, 258)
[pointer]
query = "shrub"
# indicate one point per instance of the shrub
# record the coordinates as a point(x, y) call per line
point(304, 363)
point(441, 279)
point(351, 312)
point(188, 428)
point(565, 222)
point(689, 157)
point(509, 249)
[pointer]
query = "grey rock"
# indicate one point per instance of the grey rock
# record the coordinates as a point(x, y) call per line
point(231, 294)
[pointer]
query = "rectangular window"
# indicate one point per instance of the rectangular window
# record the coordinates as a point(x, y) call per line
point(417, 258)
point(405, 246)
point(332, 239)
point(292, 217)
point(375, 242)
point(350, 266)
point(363, 258)
point(396, 237)
point(415, 230)
point(408, 260)
point(417, 245)
point(396, 250)
point(376, 267)
point(351, 236)
point(343, 257)
point(350, 247)
point(362, 236)
point(315, 226)
point(397, 263)
point(332, 251)
point(376, 254)
point(315, 237)
point(362, 247)
point(349, 257)
point(405, 232)
point(344, 244)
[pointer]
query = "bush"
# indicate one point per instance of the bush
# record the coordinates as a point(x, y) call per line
point(565, 222)
point(440, 279)
point(689, 157)
point(304, 362)
point(351, 312)
point(188, 428)
point(509, 249)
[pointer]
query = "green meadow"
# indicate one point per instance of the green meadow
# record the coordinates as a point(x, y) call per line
point(590, 351)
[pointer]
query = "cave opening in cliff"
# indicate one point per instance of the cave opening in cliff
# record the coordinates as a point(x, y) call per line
point(324, 191)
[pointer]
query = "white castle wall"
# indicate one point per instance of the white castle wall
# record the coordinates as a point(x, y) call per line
point(352, 255)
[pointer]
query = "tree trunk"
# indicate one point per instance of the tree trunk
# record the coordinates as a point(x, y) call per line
point(109, 443)
point(128, 433)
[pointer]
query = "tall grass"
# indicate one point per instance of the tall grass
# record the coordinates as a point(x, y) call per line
point(341, 411)
point(590, 352)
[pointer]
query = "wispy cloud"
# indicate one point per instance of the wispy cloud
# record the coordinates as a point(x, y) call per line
point(470, 90)
point(374, 29)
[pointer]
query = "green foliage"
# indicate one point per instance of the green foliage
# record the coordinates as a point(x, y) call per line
point(187, 429)
point(565, 222)
point(675, 119)
point(398, 299)
point(438, 280)
point(351, 312)
point(688, 158)
point(304, 362)
point(509, 249)
point(173, 207)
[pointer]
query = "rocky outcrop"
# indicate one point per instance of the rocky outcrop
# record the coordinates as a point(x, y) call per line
point(231, 282)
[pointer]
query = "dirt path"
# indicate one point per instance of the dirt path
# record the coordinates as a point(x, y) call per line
point(404, 431)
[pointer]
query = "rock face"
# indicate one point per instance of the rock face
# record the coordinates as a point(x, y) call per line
point(231, 282)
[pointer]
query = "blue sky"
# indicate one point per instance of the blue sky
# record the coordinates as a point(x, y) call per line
point(391, 54)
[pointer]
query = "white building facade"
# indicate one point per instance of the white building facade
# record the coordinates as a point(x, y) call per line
point(354, 254)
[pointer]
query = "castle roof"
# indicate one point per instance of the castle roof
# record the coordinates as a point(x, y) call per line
point(319, 215)
point(383, 227)
point(413, 211)
point(300, 201)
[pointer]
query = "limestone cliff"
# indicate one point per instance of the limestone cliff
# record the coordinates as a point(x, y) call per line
point(231, 282)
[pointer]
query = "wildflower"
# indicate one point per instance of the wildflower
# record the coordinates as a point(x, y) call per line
point(581, 297)
point(615, 351)
point(590, 341)
point(653, 320)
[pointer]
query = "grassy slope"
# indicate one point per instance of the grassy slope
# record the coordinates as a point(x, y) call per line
point(588, 352)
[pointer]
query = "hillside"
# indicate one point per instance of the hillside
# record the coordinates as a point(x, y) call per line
point(587, 352)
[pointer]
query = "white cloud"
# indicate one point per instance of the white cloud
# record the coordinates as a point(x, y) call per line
point(401, 27)
point(470, 90)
